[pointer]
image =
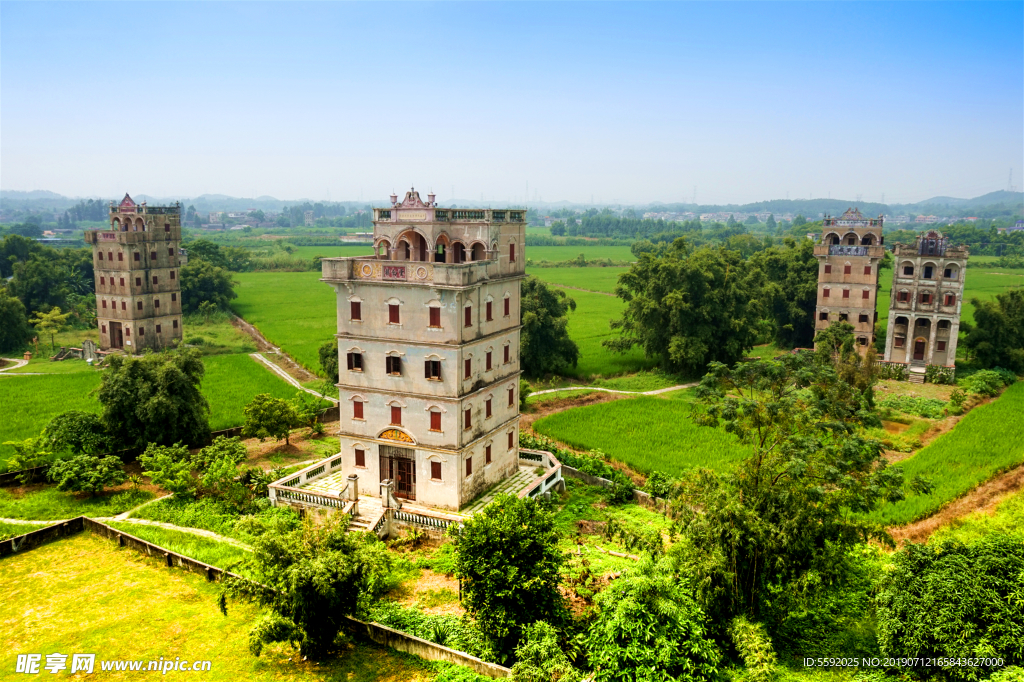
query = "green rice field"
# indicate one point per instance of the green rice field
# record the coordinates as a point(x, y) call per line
point(340, 251)
point(589, 326)
point(555, 254)
point(989, 440)
point(31, 401)
point(648, 433)
point(594, 279)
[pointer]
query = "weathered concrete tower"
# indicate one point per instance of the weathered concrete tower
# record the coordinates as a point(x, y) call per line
point(428, 348)
point(138, 290)
point(848, 258)
point(927, 293)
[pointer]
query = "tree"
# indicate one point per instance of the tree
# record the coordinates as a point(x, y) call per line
point(15, 248)
point(155, 398)
point(954, 601)
point(545, 346)
point(540, 657)
point(790, 513)
point(771, 224)
point(15, 330)
point(87, 473)
point(51, 323)
point(997, 338)
point(317, 574)
point(202, 281)
point(557, 229)
point(799, 220)
point(169, 467)
point(791, 291)
point(268, 417)
point(689, 310)
point(77, 432)
point(257, 215)
point(650, 628)
point(328, 353)
point(204, 249)
point(28, 454)
point(27, 229)
point(508, 560)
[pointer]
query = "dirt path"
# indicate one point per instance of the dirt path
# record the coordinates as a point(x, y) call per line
point(280, 371)
point(526, 419)
point(983, 498)
point(294, 369)
point(16, 365)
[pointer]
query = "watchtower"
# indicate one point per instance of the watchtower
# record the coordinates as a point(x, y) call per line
point(138, 288)
point(848, 258)
point(428, 348)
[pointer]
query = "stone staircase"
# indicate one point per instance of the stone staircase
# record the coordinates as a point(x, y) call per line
point(370, 510)
point(916, 372)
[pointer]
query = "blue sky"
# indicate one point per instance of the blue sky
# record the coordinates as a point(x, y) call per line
point(619, 102)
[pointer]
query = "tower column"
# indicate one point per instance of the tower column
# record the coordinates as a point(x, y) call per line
point(933, 332)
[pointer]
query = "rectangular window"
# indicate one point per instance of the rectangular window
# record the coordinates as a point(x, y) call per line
point(489, 316)
point(844, 317)
point(511, 439)
point(511, 396)
point(142, 331)
point(469, 466)
point(172, 274)
point(898, 341)
point(167, 227)
point(156, 303)
point(927, 272)
point(487, 454)
point(138, 305)
point(138, 282)
point(127, 331)
point(174, 324)
point(828, 269)
point(435, 317)
point(948, 273)
point(941, 345)
point(100, 254)
point(822, 316)
point(432, 369)
point(846, 269)
point(170, 252)
point(103, 328)
point(355, 310)
point(174, 297)
point(435, 471)
point(357, 409)
point(152, 255)
point(396, 415)
point(355, 361)
point(469, 316)
point(926, 298)
point(846, 293)
point(158, 329)
point(862, 319)
point(122, 281)
point(865, 294)
point(468, 368)
point(120, 256)
point(155, 280)
point(468, 421)
point(393, 316)
point(124, 306)
point(512, 253)
point(506, 351)
point(487, 360)
point(507, 299)
point(903, 296)
point(867, 269)
point(908, 270)
point(950, 299)
point(435, 421)
point(825, 292)
point(103, 280)
point(394, 365)
point(360, 457)
point(487, 408)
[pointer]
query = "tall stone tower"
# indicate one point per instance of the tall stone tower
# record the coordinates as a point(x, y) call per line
point(138, 290)
point(927, 292)
point(848, 258)
point(428, 348)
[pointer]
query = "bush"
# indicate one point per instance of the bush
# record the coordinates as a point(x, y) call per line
point(955, 601)
point(77, 432)
point(936, 374)
point(988, 382)
point(541, 658)
point(755, 648)
point(892, 371)
point(447, 630)
point(922, 407)
point(593, 463)
point(268, 417)
point(86, 473)
point(169, 467)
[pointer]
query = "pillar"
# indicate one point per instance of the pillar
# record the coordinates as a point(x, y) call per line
point(353, 487)
point(890, 333)
point(931, 341)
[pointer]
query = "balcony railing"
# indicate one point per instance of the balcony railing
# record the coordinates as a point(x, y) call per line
point(846, 250)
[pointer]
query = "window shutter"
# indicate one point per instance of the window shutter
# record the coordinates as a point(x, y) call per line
point(360, 457)
point(468, 367)
point(469, 418)
point(506, 354)
point(357, 409)
point(487, 454)
point(506, 306)
point(846, 293)
point(393, 314)
point(356, 310)
point(469, 466)
point(435, 421)
point(512, 253)
point(488, 406)
point(846, 269)
point(396, 415)
point(435, 317)
point(488, 360)
point(867, 269)
point(426, 369)
point(511, 442)
point(489, 316)
point(865, 294)
point(469, 316)
point(825, 292)
point(349, 358)
point(511, 396)
point(435, 471)
point(828, 269)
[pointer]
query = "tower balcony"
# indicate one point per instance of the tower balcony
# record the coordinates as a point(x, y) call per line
point(172, 234)
point(371, 269)
point(875, 251)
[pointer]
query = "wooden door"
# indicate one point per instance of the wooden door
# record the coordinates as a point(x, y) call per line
point(919, 349)
point(405, 478)
point(116, 335)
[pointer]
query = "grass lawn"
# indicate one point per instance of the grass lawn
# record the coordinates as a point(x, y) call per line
point(595, 279)
point(48, 503)
point(293, 310)
point(648, 433)
point(1006, 519)
point(988, 440)
point(12, 530)
point(207, 550)
point(231, 381)
point(339, 251)
point(84, 595)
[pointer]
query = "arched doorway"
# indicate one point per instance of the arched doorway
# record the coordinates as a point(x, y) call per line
point(458, 253)
point(478, 251)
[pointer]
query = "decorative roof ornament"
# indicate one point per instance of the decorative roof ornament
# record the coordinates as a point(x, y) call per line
point(412, 200)
point(852, 214)
point(127, 201)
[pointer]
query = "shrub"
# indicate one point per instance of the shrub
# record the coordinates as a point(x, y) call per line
point(755, 648)
point(28, 454)
point(77, 432)
point(446, 630)
point(955, 601)
point(169, 467)
point(86, 473)
point(936, 374)
point(895, 372)
point(268, 417)
point(988, 382)
point(540, 657)
point(922, 407)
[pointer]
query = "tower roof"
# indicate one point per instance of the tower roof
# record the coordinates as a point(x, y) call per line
point(852, 214)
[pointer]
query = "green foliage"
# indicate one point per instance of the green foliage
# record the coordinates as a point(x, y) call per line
point(755, 648)
point(988, 382)
point(922, 407)
point(997, 338)
point(540, 657)
point(447, 630)
point(268, 417)
point(155, 398)
point(328, 353)
point(524, 392)
point(28, 454)
point(87, 473)
point(317, 575)
point(545, 346)
point(593, 463)
point(937, 374)
point(15, 330)
point(650, 628)
point(169, 467)
point(508, 561)
point(791, 290)
point(77, 432)
point(689, 310)
point(202, 281)
point(52, 322)
point(785, 514)
point(894, 371)
point(956, 601)
point(310, 408)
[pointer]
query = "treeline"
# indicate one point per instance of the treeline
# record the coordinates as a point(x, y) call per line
point(983, 241)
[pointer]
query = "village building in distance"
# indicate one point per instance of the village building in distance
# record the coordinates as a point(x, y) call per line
point(927, 293)
point(138, 290)
point(849, 257)
point(428, 348)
